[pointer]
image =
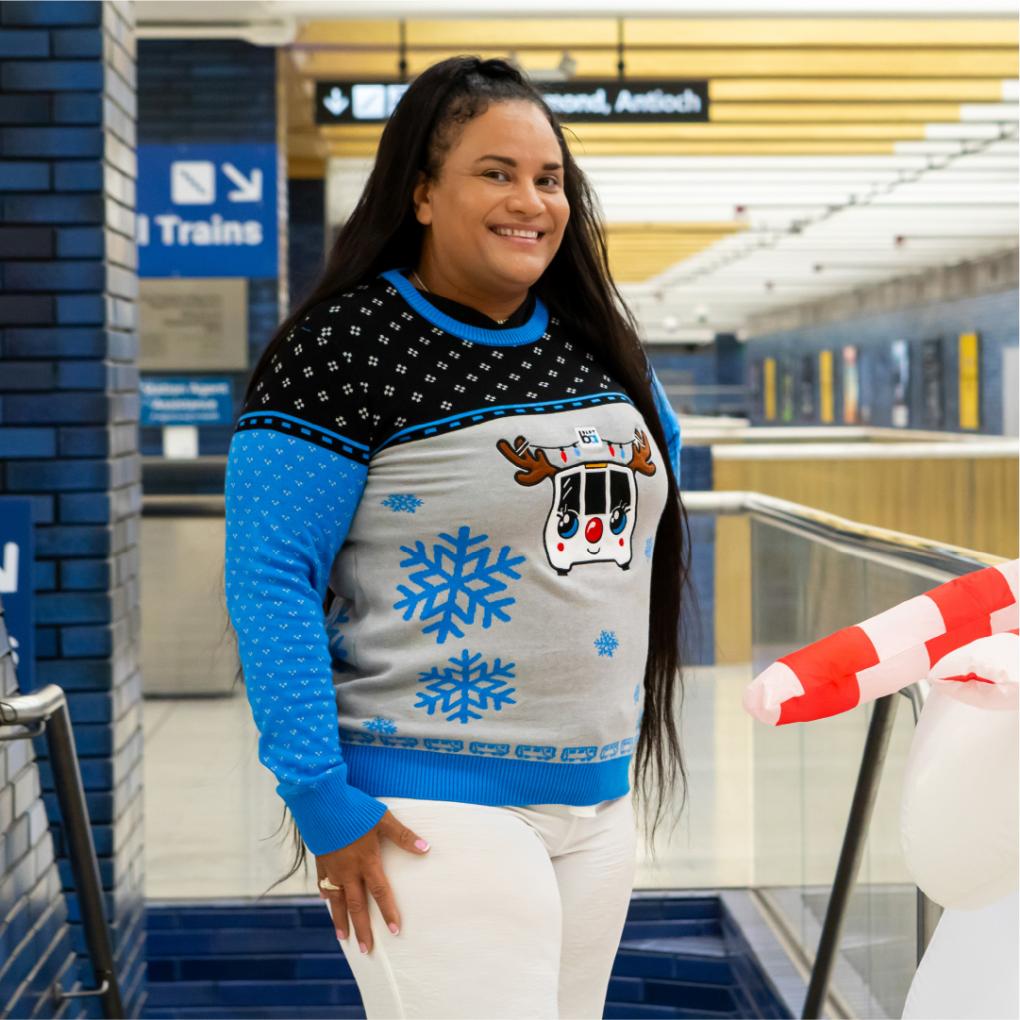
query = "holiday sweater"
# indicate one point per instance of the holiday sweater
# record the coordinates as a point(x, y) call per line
point(438, 560)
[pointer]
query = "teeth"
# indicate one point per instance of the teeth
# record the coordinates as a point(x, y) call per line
point(505, 232)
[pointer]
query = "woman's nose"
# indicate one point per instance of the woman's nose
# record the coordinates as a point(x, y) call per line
point(526, 199)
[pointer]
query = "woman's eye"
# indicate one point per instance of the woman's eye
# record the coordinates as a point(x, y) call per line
point(553, 181)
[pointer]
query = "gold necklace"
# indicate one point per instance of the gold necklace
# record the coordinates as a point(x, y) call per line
point(414, 273)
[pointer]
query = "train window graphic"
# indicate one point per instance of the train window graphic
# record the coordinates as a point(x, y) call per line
point(594, 502)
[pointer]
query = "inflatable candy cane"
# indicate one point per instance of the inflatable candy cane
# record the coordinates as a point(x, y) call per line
point(888, 652)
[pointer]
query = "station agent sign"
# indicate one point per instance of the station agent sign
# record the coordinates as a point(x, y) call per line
point(180, 405)
point(17, 555)
point(207, 210)
point(587, 100)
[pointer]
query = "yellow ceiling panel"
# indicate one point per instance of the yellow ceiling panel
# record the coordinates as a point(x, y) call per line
point(873, 33)
point(652, 134)
point(638, 251)
point(517, 32)
point(862, 113)
point(719, 65)
point(364, 147)
point(744, 148)
point(752, 132)
point(994, 62)
point(368, 64)
point(355, 32)
point(954, 90)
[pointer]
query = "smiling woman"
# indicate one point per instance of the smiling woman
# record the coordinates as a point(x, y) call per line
point(455, 555)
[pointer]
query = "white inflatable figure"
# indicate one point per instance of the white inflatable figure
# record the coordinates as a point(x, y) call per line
point(961, 832)
point(960, 826)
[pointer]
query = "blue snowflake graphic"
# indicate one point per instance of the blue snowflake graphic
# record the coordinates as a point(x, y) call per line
point(649, 545)
point(459, 688)
point(454, 582)
point(380, 724)
point(402, 502)
point(606, 643)
point(637, 688)
point(336, 616)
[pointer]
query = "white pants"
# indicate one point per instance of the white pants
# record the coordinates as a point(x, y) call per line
point(514, 912)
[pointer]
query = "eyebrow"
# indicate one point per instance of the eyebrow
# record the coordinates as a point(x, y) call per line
point(513, 162)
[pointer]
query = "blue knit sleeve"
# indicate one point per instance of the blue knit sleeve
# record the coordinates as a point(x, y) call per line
point(670, 422)
point(292, 488)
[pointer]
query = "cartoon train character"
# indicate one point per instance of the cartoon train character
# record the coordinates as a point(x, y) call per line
point(594, 504)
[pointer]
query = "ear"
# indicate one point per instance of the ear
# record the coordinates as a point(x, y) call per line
point(422, 200)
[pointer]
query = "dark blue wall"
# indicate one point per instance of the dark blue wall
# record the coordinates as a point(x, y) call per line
point(992, 316)
point(306, 240)
point(69, 442)
point(211, 90)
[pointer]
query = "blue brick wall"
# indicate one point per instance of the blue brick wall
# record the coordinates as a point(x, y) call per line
point(993, 316)
point(69, 442)
point(35, 936)
point(188, 92)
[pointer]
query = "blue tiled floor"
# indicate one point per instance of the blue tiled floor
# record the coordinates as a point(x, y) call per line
point(278, 959)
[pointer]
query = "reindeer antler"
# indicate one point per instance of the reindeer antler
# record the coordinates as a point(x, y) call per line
point(535, 467)
point(639, 455)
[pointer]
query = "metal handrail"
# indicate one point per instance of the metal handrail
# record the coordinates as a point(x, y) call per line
point(940, 560)
point(46, 711)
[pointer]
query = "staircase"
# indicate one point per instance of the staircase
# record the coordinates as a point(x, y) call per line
point(681, 955)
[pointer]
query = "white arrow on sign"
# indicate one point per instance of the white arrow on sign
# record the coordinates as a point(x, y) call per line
point(248, 189)
point(9, 569)
point(336, 102)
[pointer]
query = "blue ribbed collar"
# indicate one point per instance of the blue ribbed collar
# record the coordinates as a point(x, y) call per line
point(526, 333)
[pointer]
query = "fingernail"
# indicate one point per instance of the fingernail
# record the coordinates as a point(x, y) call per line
point(421, 844)
point(394, 928)
point(340, 936)
point(364, 948)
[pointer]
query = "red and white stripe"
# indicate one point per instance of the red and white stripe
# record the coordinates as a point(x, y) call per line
point(886, 652)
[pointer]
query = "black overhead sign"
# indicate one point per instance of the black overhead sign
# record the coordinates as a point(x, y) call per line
point(590, 100)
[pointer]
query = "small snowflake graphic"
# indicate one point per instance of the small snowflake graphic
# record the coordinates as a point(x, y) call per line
point(606, 643)
point(337, 615)
point(403, 502)
point(455, 581)
point(649, 545)
point(380, 724)
point(464, 686)
point(637, 690)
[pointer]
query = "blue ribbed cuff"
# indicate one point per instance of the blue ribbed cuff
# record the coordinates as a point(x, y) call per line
point(331, 813)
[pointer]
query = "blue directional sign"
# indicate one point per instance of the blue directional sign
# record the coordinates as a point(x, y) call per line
point(207, 210)
point(17, 554)
point(201, 400)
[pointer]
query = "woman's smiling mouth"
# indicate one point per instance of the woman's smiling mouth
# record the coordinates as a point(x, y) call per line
point(519, 235)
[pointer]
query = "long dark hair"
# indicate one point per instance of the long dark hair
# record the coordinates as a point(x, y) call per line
point(383, 233)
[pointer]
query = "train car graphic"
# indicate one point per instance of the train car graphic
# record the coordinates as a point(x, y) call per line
point(594, 503)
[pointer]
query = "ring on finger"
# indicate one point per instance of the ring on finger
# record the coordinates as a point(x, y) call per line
point(325, 883)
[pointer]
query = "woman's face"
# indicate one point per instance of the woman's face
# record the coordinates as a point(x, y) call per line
point(503, 171)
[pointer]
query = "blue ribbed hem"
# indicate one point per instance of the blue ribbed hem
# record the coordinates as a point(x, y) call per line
point(333, 812)
point(526, 333)
point(475, 779)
